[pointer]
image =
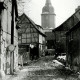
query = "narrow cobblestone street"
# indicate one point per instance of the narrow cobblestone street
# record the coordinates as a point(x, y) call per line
point(44, 69)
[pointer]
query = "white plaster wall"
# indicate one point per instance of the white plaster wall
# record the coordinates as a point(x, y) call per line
point(16, 46)
point(40, 38)
point(3, 40)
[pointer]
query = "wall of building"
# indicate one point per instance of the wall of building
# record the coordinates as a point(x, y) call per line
point(6, 40)
point(63, 28)
point(73, 49)
point(40, 44)
point(48, 20)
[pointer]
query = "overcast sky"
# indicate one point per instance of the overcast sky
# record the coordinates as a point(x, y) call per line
point(63, 9)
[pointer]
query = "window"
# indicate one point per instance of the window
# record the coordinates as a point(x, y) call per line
point(23, 35)
point(34, 35)
point(33, 40)
point(71, 36)
point(36, 39)
point(28, 40)
point(23, 40)
point(28, 35)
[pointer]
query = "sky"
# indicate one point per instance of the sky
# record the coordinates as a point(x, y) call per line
point(63, 9)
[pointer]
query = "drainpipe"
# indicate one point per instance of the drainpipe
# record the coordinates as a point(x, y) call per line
point(12, 41)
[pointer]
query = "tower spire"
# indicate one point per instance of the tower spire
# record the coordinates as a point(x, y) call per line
point(48, 2)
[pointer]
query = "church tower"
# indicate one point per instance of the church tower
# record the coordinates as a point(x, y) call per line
point(48, 16)
point(48, 24)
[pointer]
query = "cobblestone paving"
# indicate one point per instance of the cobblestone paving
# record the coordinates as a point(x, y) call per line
point(44, 69)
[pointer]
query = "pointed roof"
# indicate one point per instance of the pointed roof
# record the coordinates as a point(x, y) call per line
point(66, 28)
point(48, 2)
point(48, 8)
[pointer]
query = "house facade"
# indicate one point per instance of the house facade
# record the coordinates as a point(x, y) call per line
point(31, 38)
point(59, 32)
point(8, 59)
point(73, 47)
point(42, 43)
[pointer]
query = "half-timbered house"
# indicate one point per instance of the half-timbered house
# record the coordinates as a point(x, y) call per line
point(31, 38)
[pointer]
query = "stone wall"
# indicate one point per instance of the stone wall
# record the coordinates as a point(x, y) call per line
point(6, 39)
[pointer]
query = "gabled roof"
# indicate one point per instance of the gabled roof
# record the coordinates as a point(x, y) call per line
point(61, 27)
point(73, 28)
point(39, 26)
point(35, 26)
point(48, 8)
